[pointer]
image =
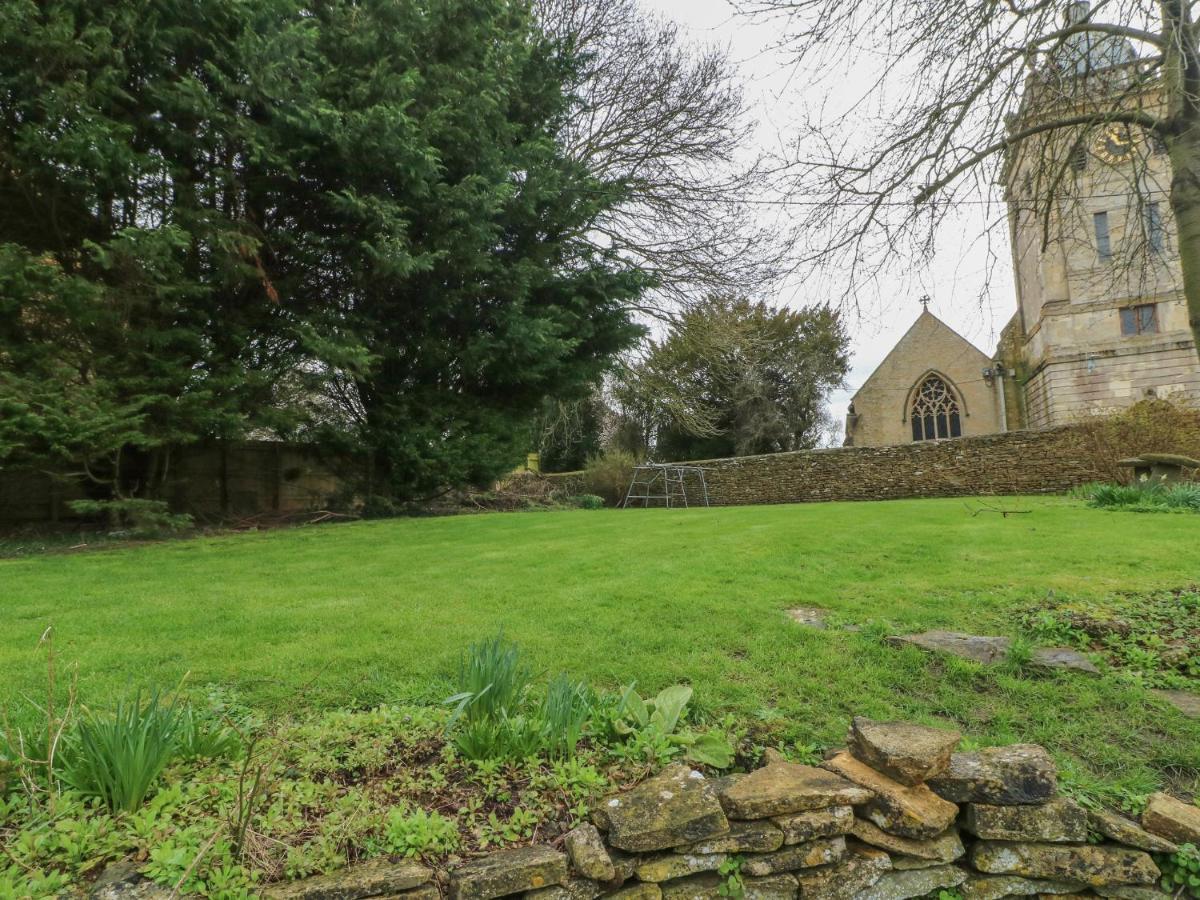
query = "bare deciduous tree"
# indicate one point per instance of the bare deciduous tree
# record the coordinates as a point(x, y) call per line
point(667, 120)
point(967, 94)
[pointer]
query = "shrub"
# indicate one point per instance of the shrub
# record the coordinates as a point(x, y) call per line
point(1151, 426)
point(141, 518)
point(590, 501)
point(118, 757)
point(608, 475)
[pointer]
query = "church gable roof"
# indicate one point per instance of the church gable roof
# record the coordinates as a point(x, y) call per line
point(954, 351)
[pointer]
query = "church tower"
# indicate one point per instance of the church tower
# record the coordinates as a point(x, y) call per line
point(1101, 321)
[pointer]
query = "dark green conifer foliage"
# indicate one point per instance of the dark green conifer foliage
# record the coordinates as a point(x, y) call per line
point(342, 220)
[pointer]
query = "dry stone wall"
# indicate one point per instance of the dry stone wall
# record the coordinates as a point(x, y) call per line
point(1018, 462)
point(898, 814)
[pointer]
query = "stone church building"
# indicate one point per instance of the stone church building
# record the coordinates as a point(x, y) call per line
point(1101, 320)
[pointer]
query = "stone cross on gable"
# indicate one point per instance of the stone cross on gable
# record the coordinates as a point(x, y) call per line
point(925, 301)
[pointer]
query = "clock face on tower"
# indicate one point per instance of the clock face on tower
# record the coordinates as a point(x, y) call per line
point(1114, 144)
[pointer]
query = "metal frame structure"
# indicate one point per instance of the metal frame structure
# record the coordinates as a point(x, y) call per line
point(665, 482)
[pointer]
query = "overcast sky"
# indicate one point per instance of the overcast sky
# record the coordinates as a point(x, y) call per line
point(977, 307)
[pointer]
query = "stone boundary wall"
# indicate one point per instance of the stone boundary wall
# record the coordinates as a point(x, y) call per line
point(897, 814)
point(1018, 462)
point(208, 481)
point(265, 478)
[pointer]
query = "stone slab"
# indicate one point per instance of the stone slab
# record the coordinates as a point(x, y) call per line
point(695, 887)
point(1063, 658)
point(624, 863)
point(807, 826)
point(508, 872)
point(862, 868)
point(811, 616)
point(782, 788)
point(1095, 866)
point(977, 648)
point(637, 891)
point(677, 806)
point(993, 887)
point(1132, 892)
point(1188, 704)
point(896, 885)
point(1128, 832)
point(122, 881)
point(989, 649)
point(907, 753)
point(572, 889)
point(1172, 819)
point(945, 848)
point(1058, 820)
point(914, 812)
point(1020, 773)
point(772, 887)
point(368, 879)
point(756, 836)
point(799, 856)
point(670, 866)
point(708, 887)
point(588, 854)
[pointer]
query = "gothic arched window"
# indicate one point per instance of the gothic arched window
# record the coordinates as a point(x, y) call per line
point(935, 413)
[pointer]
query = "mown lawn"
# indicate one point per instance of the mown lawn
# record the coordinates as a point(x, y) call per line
point(362, 613)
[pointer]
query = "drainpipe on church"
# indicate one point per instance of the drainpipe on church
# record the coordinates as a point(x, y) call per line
point(1003, 400)
point(995, 374)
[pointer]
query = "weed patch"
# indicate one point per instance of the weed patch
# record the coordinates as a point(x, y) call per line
point(1153, 638)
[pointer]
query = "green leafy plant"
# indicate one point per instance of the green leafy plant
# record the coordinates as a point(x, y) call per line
point(589, 501)
point(519, 826)
point(118, 757)
point(652, 728)
point(565, 713)
point(1185, 495)
point(1152, 638)
point(417, 833)
point(492, 681)
point(1181, 871)
point(492, 718)
point(203, 736)
point(731, 878)
point(1020, 655)
point(1143, 496)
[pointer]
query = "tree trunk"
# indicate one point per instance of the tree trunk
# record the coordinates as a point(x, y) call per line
point(1185, 203)
point(1181, 79)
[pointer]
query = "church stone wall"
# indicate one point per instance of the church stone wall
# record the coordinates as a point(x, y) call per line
point(1076, 386)
point(881, 406)
point(1075, 361)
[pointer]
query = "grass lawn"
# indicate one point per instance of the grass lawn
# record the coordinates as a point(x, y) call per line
point(374, 611)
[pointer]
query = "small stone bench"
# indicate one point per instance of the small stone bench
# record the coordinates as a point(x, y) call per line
point(1161, 468)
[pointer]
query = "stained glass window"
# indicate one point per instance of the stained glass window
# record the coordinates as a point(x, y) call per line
point(935, 412)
